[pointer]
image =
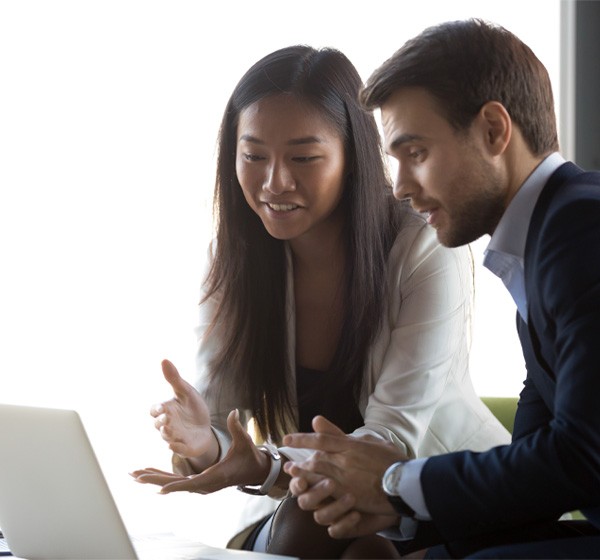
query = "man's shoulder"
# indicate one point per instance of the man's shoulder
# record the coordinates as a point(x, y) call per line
point(570, 189)
point(570, 181)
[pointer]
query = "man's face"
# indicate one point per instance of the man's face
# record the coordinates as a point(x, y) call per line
point(447, 174)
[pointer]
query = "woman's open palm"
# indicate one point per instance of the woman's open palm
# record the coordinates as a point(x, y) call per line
point(183, 421)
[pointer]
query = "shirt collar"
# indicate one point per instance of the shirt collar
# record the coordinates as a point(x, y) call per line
point(506, 249)
point(511, 233)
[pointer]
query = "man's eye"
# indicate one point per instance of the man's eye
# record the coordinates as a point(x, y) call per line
point(416, 153)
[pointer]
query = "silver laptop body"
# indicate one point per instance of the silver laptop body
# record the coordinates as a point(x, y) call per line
point(54, 500)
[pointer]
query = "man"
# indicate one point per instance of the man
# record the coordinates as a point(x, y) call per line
point(467, 111)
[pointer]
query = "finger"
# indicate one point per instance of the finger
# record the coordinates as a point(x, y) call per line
point(295, 471)
point(148, 470)
point(160, 421)
point(189, 484)
point(235, 427)
point(298, 485)
point(321, 425)
point(347, 526)
point(167, 434)
point(157, 410)
point(179, 385)
point(315, 468)
point(332, 511)
point(317, 495)
point(158, 479)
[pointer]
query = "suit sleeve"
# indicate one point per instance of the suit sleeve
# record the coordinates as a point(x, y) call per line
point(532, 412)
point(553, 464)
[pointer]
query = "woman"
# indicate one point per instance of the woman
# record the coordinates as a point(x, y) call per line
point(323, 296)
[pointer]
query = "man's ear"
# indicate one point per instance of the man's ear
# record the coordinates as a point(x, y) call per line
point(496, 125)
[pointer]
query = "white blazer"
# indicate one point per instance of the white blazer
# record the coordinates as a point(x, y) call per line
point(417, 391)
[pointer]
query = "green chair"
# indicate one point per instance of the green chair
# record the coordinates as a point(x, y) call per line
point(503, 408)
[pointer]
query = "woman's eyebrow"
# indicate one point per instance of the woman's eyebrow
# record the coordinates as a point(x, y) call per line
point(250, 138)
point(291, 142)
point(305, 140)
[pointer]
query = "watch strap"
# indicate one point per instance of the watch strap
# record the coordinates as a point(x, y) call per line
point(401, 507)
point(265, 487)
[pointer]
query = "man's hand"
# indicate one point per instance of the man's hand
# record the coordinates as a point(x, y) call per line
point(342, 465)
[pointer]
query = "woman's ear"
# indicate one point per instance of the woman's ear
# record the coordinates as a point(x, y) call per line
point(496, 126)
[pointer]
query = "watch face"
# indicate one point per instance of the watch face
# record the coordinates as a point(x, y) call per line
point(391, 479)
point(391, 486)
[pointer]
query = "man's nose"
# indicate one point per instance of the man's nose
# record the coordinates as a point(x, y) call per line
point(404, 185)
point(279, 179)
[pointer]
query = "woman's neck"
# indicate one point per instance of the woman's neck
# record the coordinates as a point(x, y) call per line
point(321, 248)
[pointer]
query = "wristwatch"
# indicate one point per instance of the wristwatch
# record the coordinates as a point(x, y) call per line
point(391, 483)
point(264, 488)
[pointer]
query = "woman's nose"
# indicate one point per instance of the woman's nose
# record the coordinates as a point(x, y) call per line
point(279, 179)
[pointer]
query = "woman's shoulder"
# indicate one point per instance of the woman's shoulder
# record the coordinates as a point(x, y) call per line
point(412, 233)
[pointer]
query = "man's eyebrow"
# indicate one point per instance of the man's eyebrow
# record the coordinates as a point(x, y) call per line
point(403, 139)
point(292, 142)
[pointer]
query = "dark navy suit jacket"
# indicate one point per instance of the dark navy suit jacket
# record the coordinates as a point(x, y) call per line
point(552, 465)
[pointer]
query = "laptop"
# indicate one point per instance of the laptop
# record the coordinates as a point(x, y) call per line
point(55, 502)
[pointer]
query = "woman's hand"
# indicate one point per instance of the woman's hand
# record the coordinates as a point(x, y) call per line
point(184, 421)
point(244, 464)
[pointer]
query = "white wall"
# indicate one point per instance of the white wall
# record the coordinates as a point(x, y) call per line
point(108, 118)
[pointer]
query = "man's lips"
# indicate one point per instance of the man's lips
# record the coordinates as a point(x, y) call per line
point(431, 212)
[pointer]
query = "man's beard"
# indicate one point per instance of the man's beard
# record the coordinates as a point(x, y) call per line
point(478, 212)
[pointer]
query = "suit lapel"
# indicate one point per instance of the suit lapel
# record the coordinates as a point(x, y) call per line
point(531, 259)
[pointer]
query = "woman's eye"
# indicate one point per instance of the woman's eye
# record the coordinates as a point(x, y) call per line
point(304, 159)
point(252, 157)
point(416, 153)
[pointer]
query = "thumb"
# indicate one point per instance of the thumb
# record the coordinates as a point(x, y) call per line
point(321, 425)
point(179, 385)
point(235, 427)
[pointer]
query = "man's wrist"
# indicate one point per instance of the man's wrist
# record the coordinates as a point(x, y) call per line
point(391, 487)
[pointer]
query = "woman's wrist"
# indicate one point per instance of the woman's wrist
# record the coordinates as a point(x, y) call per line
point(187, 465)
point(271, 454)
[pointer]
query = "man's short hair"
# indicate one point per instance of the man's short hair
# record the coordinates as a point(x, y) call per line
point(465, 64)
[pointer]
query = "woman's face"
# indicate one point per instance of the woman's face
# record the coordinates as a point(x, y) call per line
point(290, 163)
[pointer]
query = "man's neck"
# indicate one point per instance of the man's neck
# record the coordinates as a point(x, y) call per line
point(520, 164)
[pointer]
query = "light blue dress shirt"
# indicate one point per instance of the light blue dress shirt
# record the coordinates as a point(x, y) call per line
point(506, 249)
point(504, 257)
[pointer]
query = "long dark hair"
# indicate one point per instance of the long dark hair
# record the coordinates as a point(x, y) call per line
point(248, 273)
